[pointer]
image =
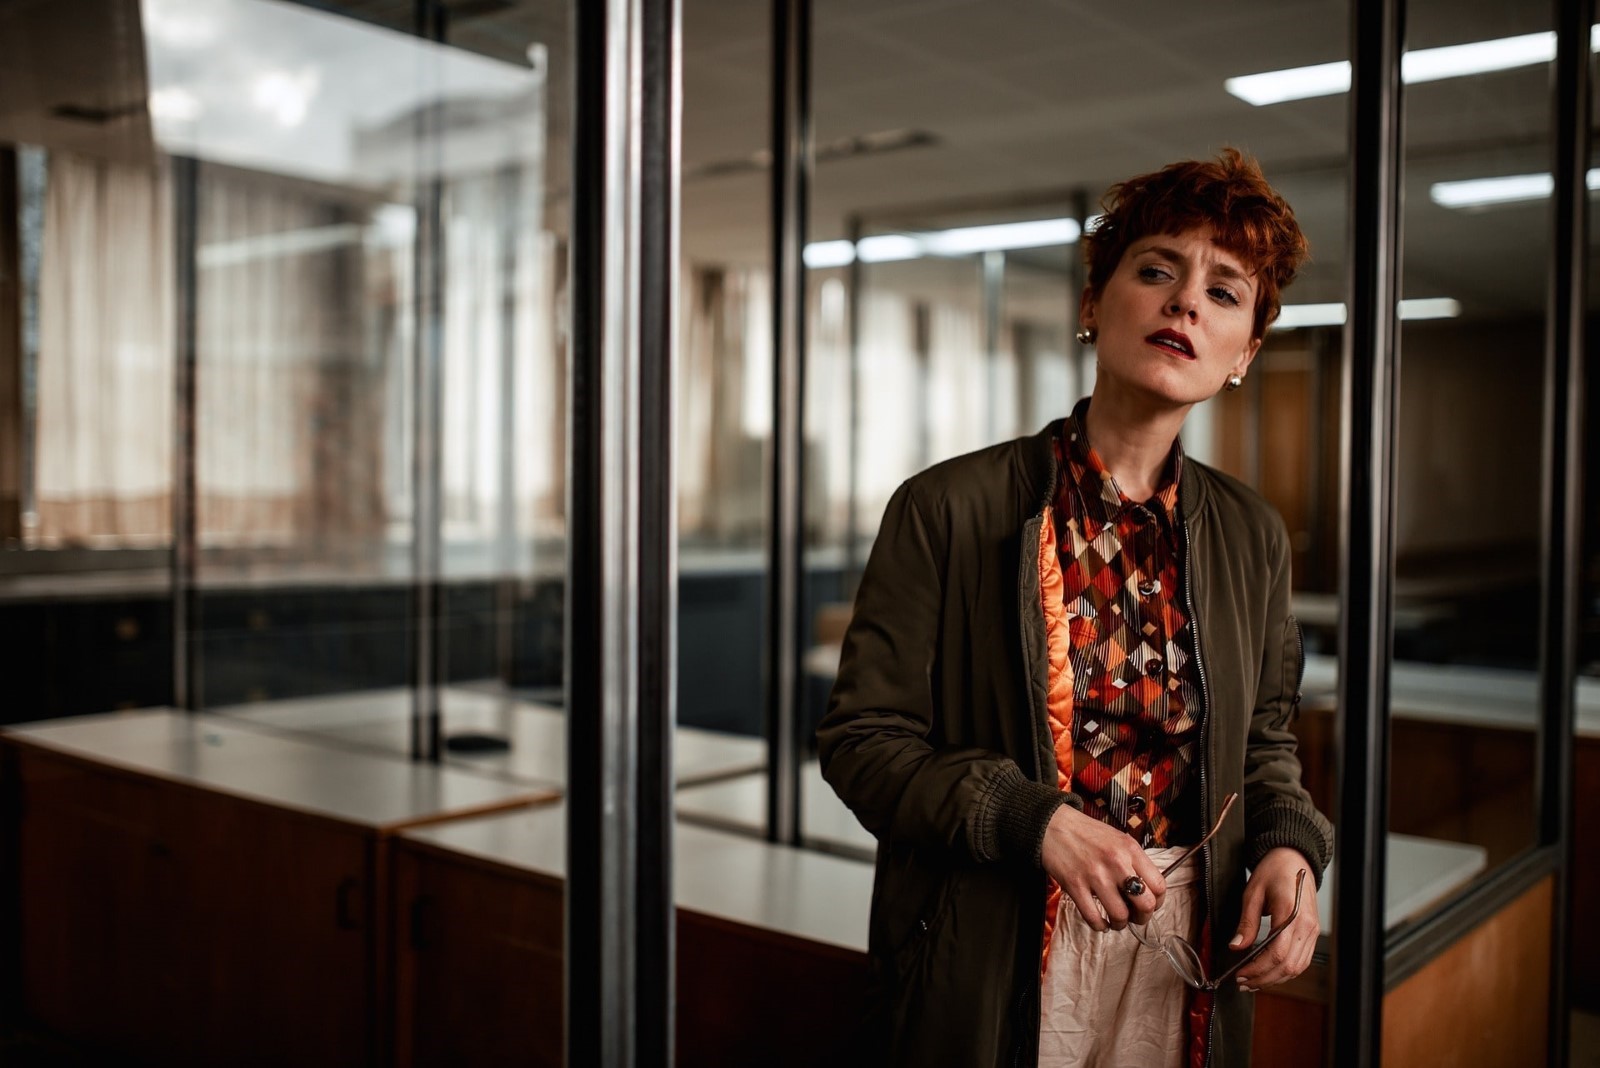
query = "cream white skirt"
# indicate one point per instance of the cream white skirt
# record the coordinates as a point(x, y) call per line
point(1108, 1001)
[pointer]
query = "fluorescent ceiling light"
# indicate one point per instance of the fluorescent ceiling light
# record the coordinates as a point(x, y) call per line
point(960, 241)
point(821, 254)
point(1298, 83)
point(1506, 189)
point(882, 248)
point(967, 239)
point(1430, 308)
point(1423, 65)
point(1295, 316)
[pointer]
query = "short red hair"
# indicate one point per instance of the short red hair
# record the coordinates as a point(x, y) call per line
point(1228, 194)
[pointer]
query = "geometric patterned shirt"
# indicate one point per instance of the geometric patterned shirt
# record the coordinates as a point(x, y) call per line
point(1136, 701)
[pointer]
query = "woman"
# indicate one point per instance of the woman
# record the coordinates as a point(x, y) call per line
point(1067, 652)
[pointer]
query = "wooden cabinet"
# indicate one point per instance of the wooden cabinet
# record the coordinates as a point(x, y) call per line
point(190, 892)
point(770, 943)
point(185, 927)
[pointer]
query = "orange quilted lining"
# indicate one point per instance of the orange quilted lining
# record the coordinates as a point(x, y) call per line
point(1058, 696)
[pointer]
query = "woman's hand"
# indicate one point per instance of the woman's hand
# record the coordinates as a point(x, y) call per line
point(1271, 890)
point(1091, 860)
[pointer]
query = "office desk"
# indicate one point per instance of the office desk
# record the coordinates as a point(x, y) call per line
point(770, 945)
point(195, 891)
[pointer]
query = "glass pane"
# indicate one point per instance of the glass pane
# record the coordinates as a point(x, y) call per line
point(359, 236)
point(1467, 491)
point(963, 142)
point(724, 416)
point(377, 369)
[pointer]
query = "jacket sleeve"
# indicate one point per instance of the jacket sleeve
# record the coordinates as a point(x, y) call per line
point(1277, 809)
point(878, 742)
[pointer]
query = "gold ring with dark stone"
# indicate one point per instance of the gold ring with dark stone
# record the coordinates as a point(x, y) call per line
point(1133, 887)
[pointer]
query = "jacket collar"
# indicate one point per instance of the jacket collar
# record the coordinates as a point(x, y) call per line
point(1037, 461)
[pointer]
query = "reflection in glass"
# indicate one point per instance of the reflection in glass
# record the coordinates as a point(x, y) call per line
point(1467, 493)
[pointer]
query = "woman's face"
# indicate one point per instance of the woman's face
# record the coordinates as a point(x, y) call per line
point(1174, 319)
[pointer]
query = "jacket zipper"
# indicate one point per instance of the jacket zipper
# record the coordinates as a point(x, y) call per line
point(1205, 744)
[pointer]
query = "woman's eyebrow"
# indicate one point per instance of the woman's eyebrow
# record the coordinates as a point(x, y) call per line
point(1220, 267)
point(1232, 273)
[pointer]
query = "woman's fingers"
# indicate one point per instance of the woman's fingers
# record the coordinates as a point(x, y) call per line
point(1289, 955)
point(1088, 907)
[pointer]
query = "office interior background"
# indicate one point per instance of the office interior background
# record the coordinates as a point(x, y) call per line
point(286, 433)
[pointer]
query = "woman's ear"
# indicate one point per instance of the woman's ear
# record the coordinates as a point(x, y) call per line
point(1086, 308)
point(1250, 350)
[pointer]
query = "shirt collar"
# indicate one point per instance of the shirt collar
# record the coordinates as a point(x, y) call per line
point(1100, 498)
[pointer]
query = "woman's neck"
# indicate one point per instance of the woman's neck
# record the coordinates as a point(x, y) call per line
point(1133, 440)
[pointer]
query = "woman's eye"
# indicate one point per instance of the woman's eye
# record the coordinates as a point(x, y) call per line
point(1152, 274)
point(1224, 294)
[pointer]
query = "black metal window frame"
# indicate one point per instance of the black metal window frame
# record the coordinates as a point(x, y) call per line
point(1368, 960)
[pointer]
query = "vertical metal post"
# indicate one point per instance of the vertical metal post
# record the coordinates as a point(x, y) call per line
point(791, 151)
point(993, 267)
point(185, 533)
point(855, 279)
point(1371, 375)
point(511, 198)
point(11, 403)
point(1562, 533)
point(622, 548)
point(427, 457)
point(1077, 353)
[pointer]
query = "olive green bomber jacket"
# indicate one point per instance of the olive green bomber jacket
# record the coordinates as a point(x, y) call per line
point(936, 736)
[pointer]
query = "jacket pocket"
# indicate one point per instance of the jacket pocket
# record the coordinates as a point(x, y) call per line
point(911, 904)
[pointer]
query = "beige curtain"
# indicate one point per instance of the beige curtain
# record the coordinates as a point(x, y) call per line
point(275, 340)
point(105, 385)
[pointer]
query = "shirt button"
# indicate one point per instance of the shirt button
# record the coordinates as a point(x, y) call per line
point(1136, 804)
point(1149, 587)
point(1154, 666)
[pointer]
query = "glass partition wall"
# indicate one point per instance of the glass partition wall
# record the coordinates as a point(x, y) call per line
point(292, 348)
point(953, 230)
point(303, 326)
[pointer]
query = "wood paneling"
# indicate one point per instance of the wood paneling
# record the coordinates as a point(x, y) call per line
point(1583, 919)
point(1456, 781)
point(1483, 1002)
point(479, 976)
point(1289, 1031)
point(180, 927)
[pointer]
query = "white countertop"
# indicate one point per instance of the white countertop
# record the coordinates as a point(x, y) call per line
point(1460, 694)
point(802, 893)
point(741, 804)
point(1420, 870)
point(381, 720)
point(374, 791)
point(1441, 693)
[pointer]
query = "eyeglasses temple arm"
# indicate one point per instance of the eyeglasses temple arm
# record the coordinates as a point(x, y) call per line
point(1227, 804)
point(1277, 929)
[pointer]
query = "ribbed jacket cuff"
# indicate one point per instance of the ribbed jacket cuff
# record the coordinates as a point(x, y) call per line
point(1014, 815)
point(1281, 825)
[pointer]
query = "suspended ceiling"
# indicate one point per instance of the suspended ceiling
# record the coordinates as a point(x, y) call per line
point(1015, 102)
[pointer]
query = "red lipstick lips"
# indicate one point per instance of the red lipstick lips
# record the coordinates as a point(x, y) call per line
point(1172, 339)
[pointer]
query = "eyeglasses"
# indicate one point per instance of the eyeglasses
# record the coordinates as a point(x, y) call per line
point(1182, 954)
